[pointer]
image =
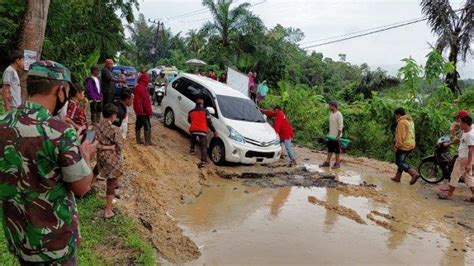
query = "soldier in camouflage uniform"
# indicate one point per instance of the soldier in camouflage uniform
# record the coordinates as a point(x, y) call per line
point(42, 166)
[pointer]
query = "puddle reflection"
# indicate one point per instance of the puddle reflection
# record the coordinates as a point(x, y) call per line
point(241, 225)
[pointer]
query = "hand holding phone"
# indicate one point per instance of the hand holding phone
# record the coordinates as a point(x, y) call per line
point(89, 135)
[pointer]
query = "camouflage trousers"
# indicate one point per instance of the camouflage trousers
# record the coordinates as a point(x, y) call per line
point(71, 262)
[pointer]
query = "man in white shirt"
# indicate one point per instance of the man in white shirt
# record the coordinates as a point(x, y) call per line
point(464, 162)
point(336, 125)
point(11, 89)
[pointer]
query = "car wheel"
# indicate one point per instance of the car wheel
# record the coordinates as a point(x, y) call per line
point(169, 118)
point(217, 152)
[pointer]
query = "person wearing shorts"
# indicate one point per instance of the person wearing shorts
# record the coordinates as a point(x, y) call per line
point(464, 162)
point(336, 125)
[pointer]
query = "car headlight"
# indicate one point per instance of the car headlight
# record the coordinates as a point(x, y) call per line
point(277, 141)
point(235, 135)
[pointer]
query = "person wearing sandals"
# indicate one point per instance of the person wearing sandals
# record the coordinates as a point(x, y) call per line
point(200, 123)
point(109, 155)
point(463, 165)
point(336, 125)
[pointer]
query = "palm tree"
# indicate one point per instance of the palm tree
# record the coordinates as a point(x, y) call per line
point(228, 21)
point(455, 29)
point(195, 40)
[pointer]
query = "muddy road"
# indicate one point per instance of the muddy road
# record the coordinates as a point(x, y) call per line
point(274, 214)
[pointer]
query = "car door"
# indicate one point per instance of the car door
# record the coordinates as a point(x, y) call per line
point(187, 92)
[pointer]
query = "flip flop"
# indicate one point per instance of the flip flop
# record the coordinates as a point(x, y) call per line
point(470, 200)
point(444, 189)
point(443, 196)
point(114, 211)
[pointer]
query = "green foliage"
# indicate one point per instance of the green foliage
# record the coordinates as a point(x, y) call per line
point(97, 233)
point(11, 12)
point(410, 75)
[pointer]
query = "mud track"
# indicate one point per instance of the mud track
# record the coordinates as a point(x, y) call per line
point(161, 178)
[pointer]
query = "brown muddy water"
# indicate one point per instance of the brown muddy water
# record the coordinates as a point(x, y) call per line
point(234, 223)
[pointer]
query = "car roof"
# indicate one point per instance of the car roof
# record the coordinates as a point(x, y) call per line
point(126, 68)
point(214, 86)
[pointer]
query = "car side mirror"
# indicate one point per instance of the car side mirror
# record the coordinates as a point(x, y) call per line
point(265, 117)
point(211, 110)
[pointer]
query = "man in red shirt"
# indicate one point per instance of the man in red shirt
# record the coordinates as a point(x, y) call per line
point(142, 108)
point(200, 123)
point(284, 130)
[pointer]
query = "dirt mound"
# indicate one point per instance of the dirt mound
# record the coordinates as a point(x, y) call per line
point(159, 180)
point(277, 177)
point(339, 209)
point(362, 191)
point(384, 224)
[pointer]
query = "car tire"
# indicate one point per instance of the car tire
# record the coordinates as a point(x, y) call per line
point(169, 118)
point(217, 152)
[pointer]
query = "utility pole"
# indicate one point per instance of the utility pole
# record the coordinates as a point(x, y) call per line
point(155, 51)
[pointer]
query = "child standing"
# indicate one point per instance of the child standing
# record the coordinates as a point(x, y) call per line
point(109, 161)
point(76, 116)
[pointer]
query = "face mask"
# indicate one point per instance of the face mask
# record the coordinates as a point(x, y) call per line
point(61, 107)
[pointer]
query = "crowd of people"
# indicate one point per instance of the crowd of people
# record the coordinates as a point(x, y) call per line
point(46, 160)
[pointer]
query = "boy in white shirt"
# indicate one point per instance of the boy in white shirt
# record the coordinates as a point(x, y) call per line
point(463, 165)
point(11, 89)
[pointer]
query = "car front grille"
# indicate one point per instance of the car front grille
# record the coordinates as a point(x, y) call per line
point(259, 143)
point(256, 154)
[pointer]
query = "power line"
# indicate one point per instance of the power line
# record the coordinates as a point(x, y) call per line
point(360, 31)
point(207, 11)
point(365, 34)
point(371, 31)
point(189, 14)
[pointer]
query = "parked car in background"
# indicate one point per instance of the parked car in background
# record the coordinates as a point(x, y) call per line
point(131, 74)
point(244, 136)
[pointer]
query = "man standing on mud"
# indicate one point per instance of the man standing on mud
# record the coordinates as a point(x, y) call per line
point(463, 165)
point(336, 125)
point(42, 167)
point(404, 145)
point(284, 129)
point(108, 82)
point(200, 123)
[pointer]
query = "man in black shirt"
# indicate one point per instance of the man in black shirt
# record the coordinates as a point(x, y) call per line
point(107, 82)
point(126, 100)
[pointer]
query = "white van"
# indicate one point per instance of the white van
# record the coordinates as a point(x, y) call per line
point(244, 136)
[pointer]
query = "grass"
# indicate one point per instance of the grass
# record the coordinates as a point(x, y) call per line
point(98, 235)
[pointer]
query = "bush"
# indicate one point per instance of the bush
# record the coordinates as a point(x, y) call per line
point(370, 124)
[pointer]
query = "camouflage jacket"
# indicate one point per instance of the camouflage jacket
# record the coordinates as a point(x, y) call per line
point(39, 155)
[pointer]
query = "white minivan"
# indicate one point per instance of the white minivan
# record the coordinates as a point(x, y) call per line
point(244, 136)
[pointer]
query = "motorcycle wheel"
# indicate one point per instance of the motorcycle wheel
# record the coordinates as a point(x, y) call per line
point(431, 172)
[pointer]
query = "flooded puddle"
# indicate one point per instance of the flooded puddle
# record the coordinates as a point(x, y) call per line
point(236, 224)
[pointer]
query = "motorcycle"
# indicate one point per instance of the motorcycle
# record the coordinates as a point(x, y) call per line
point(159, 93)
point(437, 167)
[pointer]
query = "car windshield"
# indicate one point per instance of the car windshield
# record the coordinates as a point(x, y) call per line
point(239, 109)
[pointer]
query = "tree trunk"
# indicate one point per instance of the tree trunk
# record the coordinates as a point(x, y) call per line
point(452, 78)
point(32, 35)
point(34, 25)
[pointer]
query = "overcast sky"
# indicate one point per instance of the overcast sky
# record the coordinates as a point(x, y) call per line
point(324, 19)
